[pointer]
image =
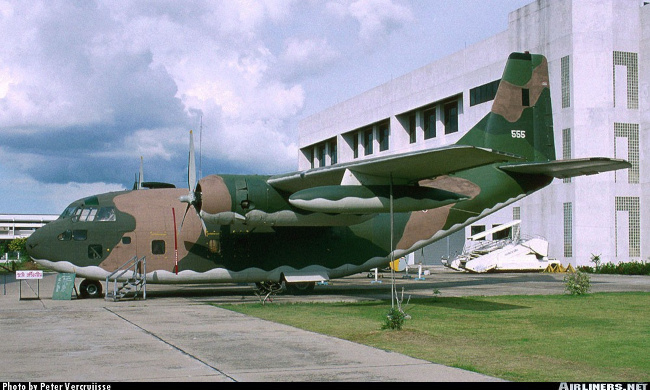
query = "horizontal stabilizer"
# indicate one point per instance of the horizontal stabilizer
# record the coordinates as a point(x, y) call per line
point(562, 169)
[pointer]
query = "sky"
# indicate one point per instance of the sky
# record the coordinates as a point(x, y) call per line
point(88, 88)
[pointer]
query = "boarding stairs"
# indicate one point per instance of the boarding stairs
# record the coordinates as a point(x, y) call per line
point(513, 253)
point(129, 280)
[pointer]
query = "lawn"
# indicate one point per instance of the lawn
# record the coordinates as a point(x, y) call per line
point(601, 337)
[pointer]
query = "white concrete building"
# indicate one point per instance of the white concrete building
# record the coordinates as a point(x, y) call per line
point(599, 64)
point(22, 225)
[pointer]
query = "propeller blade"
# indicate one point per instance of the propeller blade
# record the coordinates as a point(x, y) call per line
point(184, 215)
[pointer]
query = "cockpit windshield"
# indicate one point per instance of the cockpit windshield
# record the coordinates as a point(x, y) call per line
point(89, 213)
point(68, 212)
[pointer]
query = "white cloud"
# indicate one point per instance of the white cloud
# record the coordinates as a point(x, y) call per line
point(376, 18)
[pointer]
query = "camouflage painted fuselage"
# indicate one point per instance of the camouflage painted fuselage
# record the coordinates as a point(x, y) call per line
point(239, 252)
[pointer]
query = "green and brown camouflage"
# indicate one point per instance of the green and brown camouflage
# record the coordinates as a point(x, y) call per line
point(327, 222)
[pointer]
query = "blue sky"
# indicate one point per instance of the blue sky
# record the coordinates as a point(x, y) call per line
point(88, 87)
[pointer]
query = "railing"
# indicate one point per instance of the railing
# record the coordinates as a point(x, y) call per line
point(136, 280)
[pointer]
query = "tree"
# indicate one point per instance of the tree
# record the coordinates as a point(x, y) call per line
point(18, 244)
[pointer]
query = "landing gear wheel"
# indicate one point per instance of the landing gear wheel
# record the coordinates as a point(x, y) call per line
point(90, 289)
point(301, 288)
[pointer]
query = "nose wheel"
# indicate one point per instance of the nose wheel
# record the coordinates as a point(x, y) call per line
point(90, 289)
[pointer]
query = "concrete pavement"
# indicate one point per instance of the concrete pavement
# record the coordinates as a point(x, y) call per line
point(174, 335)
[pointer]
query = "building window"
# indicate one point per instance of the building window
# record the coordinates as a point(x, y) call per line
point(629, 131)
point(476, 229)
point(367, 142)
point(383, 136)
point(321, 155)
point(516, 215)
point(429, 118)
point(333, 151)
point(483, 93)
point(502, 234)
point(566, 86)
point(412, 128)
point(632, 206)
point(568, 229)
point(630, 62)
point(566, 148)
point(451, 117)
point(355, 145)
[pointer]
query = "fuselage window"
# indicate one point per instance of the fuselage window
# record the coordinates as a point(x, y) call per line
point(65, 236)
point(95, 251)
point(158, 247)
point(126, 240)
point(106, 214)
point(79, 235)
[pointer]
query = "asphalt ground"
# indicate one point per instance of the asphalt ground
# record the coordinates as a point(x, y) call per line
point(175, 336)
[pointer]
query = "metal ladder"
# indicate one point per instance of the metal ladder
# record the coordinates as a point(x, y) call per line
point(130, 285)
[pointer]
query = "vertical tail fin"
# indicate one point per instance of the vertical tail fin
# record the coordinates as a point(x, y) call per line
point(520, 121)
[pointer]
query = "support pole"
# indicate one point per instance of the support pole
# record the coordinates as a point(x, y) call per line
point(392, 252)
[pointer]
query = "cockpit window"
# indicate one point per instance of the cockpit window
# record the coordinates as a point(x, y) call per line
point(106, 214)
point(79, 235)
point(77, 214)
point(68, 212)
point(89, 214)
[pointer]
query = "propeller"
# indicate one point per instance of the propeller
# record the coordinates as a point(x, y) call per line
point(193, 198)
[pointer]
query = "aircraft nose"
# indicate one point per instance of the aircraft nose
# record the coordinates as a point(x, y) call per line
point(32, 245)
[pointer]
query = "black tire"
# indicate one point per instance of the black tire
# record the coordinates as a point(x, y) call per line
point(302, 288)
point(90, 289)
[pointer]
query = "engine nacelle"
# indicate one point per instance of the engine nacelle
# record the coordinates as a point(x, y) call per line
point(214, 195)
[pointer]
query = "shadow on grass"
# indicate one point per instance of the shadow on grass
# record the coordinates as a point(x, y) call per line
point(467, 304)
point(459, 303)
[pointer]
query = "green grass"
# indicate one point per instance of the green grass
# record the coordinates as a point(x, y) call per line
point(594, 337)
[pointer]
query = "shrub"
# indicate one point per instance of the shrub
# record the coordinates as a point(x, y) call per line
point(623, 268)
point(577, 283)
point(394, 320)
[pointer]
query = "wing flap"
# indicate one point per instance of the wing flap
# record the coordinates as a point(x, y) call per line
point(406, 168)
point(562, 169)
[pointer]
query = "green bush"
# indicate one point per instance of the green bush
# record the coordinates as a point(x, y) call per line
point(577, 283)
point(394, 320)
point(623, 268)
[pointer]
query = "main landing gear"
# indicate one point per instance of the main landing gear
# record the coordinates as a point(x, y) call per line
point(265, 290)
point(90, 289)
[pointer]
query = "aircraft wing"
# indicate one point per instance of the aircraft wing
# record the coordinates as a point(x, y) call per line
point(406, 168)
point(562, 169)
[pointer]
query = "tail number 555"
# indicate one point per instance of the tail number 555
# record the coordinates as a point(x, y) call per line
point(518, 133)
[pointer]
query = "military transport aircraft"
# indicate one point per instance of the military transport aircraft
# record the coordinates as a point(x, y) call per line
point(323, 223)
